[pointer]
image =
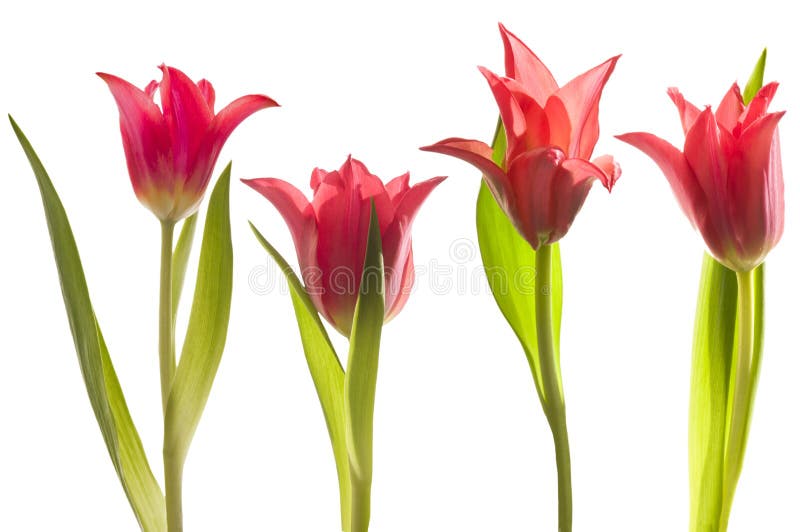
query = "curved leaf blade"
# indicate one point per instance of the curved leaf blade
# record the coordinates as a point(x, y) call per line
point(509, 264)
point(105, 394)
point(326, 372)
point(208, 325)
point(362, 362)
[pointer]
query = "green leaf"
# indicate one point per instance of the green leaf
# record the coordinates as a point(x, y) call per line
point(105, 395)
point(180, 259)
point(208, 325)
point(361, 376)
point(326, 372)
point(362, 361)
point(509, 263)
point(714, 344)
point(756, 80)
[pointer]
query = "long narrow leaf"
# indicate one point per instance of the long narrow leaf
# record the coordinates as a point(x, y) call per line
point(509, 263)
point(208, 324)
point(714, 343)
point(326, 371)
point(362, 361)
point(102, 385)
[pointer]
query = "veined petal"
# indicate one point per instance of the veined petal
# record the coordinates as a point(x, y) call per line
point(186, 115)
point(397, 187)
point(207, 90)
point(559, 123)
point(581, 98)
point(756, 189)
point(758, 107)
point(144, 138)
point(151, 88)
point(398, 288)
point(687, 111)
point(523, 66)
point(571, 184)
point(676, 169)
point(295, 209)
point(704, 153)
point(479, 155)
point(397, 238)
point(532, 213)
point(218, 132)
point(510, 113)
point(535, 120)
point(610, 170)
point(730, 108)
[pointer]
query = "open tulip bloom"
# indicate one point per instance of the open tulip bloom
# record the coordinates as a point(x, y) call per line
point(537, 175)
point(729, 183)
point(353, 243)
point(171, 152)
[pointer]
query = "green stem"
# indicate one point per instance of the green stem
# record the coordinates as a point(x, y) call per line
point(551, 379)
point(173, 487)
point(173, 465)
point(741, 391)
point(359, 503)
point(166, 325)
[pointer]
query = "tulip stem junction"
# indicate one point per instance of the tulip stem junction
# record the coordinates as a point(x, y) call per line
point(551, 378)
point(742, 386)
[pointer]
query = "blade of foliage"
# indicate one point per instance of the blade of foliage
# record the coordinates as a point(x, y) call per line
point(509, 263)
point(362, 361)
point(105, 395)
point(326, 371)
point(208, 324)
point(714, 344)
point(180, 260)
point(756, 80)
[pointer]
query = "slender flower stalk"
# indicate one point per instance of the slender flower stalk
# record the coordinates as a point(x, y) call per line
point(166, 323)
point(538, 172)
point(555, 409)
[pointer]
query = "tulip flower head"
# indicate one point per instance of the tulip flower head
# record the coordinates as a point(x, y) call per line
point(728, 179)
point(551, 132)
point(330, 234)
point(171, 150)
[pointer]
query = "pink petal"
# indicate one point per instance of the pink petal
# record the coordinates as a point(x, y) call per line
point(151, 88)
point(523, 66)
point(758, 107)
point(756, 189)
point(479, 155)
point(218, 132)
point(704, 153)
point(532, 213)
point(144, 138)
point(207, 90)
point(581, 97)
point(559, 124)
point(687, 111)
point(296, 211)
point(730, 108)
point(397, 238)
point(396, 297)
point(610, 170)
point(397, 187)
point(187, 116)
point(677, 171)
point(527, 119)
point(571, 184)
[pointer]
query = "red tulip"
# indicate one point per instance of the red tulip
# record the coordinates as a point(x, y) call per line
point(171, 151)
point(330, 234)
point(551, 132)
point(728, 180)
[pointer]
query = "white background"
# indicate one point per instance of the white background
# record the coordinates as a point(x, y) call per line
point(460, 441)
